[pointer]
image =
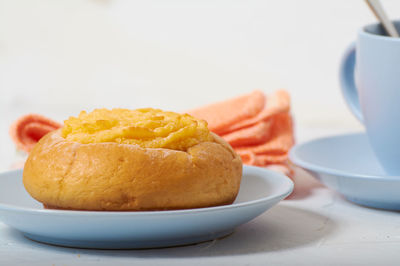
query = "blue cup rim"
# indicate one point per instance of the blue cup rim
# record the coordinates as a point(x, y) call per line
point(363, 32)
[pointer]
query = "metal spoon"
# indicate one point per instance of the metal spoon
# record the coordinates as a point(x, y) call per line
point(377, 9)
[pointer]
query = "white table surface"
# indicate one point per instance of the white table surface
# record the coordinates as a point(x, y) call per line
point(316, 226)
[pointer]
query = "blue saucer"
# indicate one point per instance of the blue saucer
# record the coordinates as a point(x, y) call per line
point(346, 163)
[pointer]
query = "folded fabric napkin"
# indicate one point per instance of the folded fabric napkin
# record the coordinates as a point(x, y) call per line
point(27, 130)
point(258, 127)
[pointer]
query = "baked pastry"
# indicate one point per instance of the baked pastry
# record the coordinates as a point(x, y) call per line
point(131, 160)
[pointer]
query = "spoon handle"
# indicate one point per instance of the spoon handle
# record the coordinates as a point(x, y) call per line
point(377, 9)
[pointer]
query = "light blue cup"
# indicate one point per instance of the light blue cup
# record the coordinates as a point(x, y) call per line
point(370, 81)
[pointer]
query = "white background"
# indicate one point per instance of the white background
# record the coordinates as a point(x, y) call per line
point(60, 57)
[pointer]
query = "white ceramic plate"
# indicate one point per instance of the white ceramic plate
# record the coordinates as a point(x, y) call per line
point(260, 190)
point(347, 164)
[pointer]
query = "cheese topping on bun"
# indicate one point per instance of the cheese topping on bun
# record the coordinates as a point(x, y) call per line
point(147, 127)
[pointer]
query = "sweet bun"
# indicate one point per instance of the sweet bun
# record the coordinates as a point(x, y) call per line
point(115, 176)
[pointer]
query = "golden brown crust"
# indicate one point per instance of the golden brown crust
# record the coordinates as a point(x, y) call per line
point(120, 177)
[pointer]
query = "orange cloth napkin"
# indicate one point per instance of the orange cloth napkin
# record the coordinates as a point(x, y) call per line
point(258, 127)
point(27, 130)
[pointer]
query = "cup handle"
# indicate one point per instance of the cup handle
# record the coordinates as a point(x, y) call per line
point(347, 82)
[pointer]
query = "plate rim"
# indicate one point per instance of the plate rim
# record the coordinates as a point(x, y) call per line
point(294, 158)
point(286, 191)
